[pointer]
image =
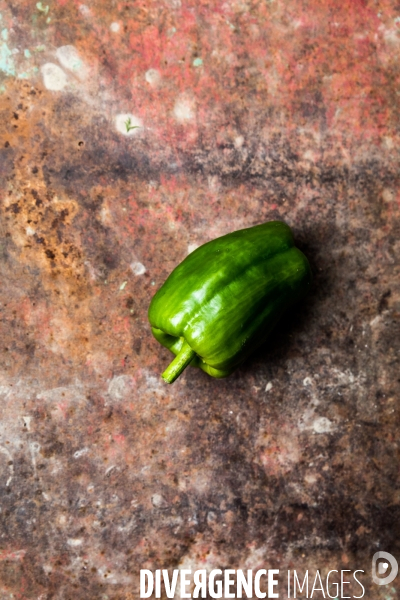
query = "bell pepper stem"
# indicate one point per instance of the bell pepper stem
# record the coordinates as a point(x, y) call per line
point(179, 364)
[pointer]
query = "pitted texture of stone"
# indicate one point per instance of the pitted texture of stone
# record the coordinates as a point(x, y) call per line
point(159, 126)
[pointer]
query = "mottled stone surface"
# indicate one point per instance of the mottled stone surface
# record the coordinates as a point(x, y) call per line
point(244, 111)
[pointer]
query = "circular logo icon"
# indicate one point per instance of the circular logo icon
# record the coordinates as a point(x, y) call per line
point(383, 567)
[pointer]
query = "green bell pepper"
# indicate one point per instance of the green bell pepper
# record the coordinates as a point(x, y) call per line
point(223, 300)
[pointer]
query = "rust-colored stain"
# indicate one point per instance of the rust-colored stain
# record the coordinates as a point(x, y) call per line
point(130, 133)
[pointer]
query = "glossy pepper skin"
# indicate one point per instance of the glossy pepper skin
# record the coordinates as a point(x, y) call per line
point(223, 300)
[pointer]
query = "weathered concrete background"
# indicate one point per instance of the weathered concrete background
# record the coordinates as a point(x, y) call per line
point(246, 111)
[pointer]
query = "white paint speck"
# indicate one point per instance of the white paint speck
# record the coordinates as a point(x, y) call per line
point(391, 36)
point(85, 10)
point(27, 422)
point(115, 27)
point(10, 464)
point(93, 273)
point(375, 321)
point(310, 156)
point(80, 453)
point(297, 23)
point(158, 501)
point(268, 387)
point(214, 183)
point(238, 141)
point(110, 468)
point(322, 425)
point(30, 230)
point(69, 58)
point(119, 387)
point(74, 542)
point(128, 124)
point(34, 448)
point(153, 383)
point(4, 389)
point(388, 195)
point(72, 393)
point(137, 268)
point(311, 478)
point(54, 77)
point(105, 215)
point(47, 569)
point(184, 109)
point(389, 143)
point(153, 77)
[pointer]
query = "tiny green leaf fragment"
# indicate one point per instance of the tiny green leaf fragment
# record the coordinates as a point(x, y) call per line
point(129, 126)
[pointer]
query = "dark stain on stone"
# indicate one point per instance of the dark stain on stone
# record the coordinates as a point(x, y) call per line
point(53, 448)
point(15, 208)
point(50, 254)
point(383, 302)
point(129, 302)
